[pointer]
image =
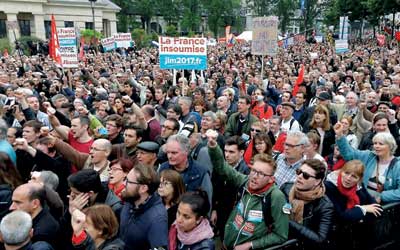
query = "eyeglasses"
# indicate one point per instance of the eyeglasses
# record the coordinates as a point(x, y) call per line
point(306, 175)
point(163, 126)
point(259, 173)
point(292, 145)
point(255, 130)
point(131, 182)
point(96, 149)
point(165, 183)
point(115, 169)
point(111, 125)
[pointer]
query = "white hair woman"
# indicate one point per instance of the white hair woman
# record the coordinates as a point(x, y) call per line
point(382, 168)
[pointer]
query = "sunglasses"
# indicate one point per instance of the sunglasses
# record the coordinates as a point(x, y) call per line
point(306, 175)
point(255, 130)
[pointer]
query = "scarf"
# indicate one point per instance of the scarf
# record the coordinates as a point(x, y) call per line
point(200, 232)
point(349, 193)
point(262, 190)
point(298, 198)
point(248, 154)
point(118, 190)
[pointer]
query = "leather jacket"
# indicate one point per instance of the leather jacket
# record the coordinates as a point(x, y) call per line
point(317, 222)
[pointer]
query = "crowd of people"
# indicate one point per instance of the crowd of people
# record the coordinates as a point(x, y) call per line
point(119, 154)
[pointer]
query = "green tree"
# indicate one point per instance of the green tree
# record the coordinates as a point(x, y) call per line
point(262, 7)
point(169, 10)
point(171, 31)
point(284, 10)
point(220, 13)
point(123, 15)
point(191, 16)
point(146, 9)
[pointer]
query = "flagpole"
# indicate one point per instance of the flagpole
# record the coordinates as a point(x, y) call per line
point(262, 67)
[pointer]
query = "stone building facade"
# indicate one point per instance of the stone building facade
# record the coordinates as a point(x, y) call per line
point(32, 17)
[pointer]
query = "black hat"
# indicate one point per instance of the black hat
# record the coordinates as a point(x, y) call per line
point(149, 146)
point(323, 96)
point(288, 104)
point(101, 97)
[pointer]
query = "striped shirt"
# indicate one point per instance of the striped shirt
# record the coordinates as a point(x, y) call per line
point(284, 171)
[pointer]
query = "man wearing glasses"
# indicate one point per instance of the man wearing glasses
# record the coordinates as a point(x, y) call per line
point(144, 223)
point(292, 157)
point(247, 227)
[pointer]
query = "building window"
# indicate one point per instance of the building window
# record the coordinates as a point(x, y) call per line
point(68, 24)
point(3, 28)
point(89, 25)
point(47, 28)
point(25, 27)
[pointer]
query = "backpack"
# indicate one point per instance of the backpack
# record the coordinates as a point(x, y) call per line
point(266, 207)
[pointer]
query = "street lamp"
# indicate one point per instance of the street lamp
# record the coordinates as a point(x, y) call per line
point(92, 5)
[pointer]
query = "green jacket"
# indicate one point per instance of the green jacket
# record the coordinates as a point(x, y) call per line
point(233, 122)
point(246, 221)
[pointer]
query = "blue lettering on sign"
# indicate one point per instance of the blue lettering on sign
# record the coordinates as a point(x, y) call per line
point(183, 62)
point(67, 42)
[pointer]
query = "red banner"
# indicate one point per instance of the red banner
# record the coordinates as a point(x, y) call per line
point(380, 39)
point(398, 36)
point(81, 50)
point(54, 46)
point(299, 81)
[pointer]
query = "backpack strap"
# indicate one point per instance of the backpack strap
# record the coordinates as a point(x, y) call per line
point(267, 214)
point(266, 207)
point(291, 123)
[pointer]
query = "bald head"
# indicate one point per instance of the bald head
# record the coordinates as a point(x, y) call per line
point(29, 197)
point(104, 144)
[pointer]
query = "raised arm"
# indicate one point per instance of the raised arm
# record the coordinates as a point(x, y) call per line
point(220, 167)
point(348, 152)
point(77, 158)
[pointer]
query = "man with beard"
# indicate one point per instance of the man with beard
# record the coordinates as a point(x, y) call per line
point(143, 216)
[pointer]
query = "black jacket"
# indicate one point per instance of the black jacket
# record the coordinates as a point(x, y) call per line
point(5, 199)
point(206, 244)
point(339, 202)
point(328, 140)
point(110, 244)
point(45, 228)
point(317, 222)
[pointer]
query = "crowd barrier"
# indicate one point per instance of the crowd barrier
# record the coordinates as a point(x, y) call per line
point(378, 233)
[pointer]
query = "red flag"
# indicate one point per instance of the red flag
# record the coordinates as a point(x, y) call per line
point(398, 36)
point(381, 39)
point(81, 52)
point(299, 81)
point(54, 46)
point(227, 32)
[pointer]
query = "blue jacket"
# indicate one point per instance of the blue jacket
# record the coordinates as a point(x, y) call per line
point(391, 188)
point(144, 227)
point(194, 177)
point(206, 244)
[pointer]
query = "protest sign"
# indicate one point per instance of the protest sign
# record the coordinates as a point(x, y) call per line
point(344, 27)
point(108, 43)
point(183, 53)
point(265, 36)
point(123, 40)
point(341, 46)
point(68, 47)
